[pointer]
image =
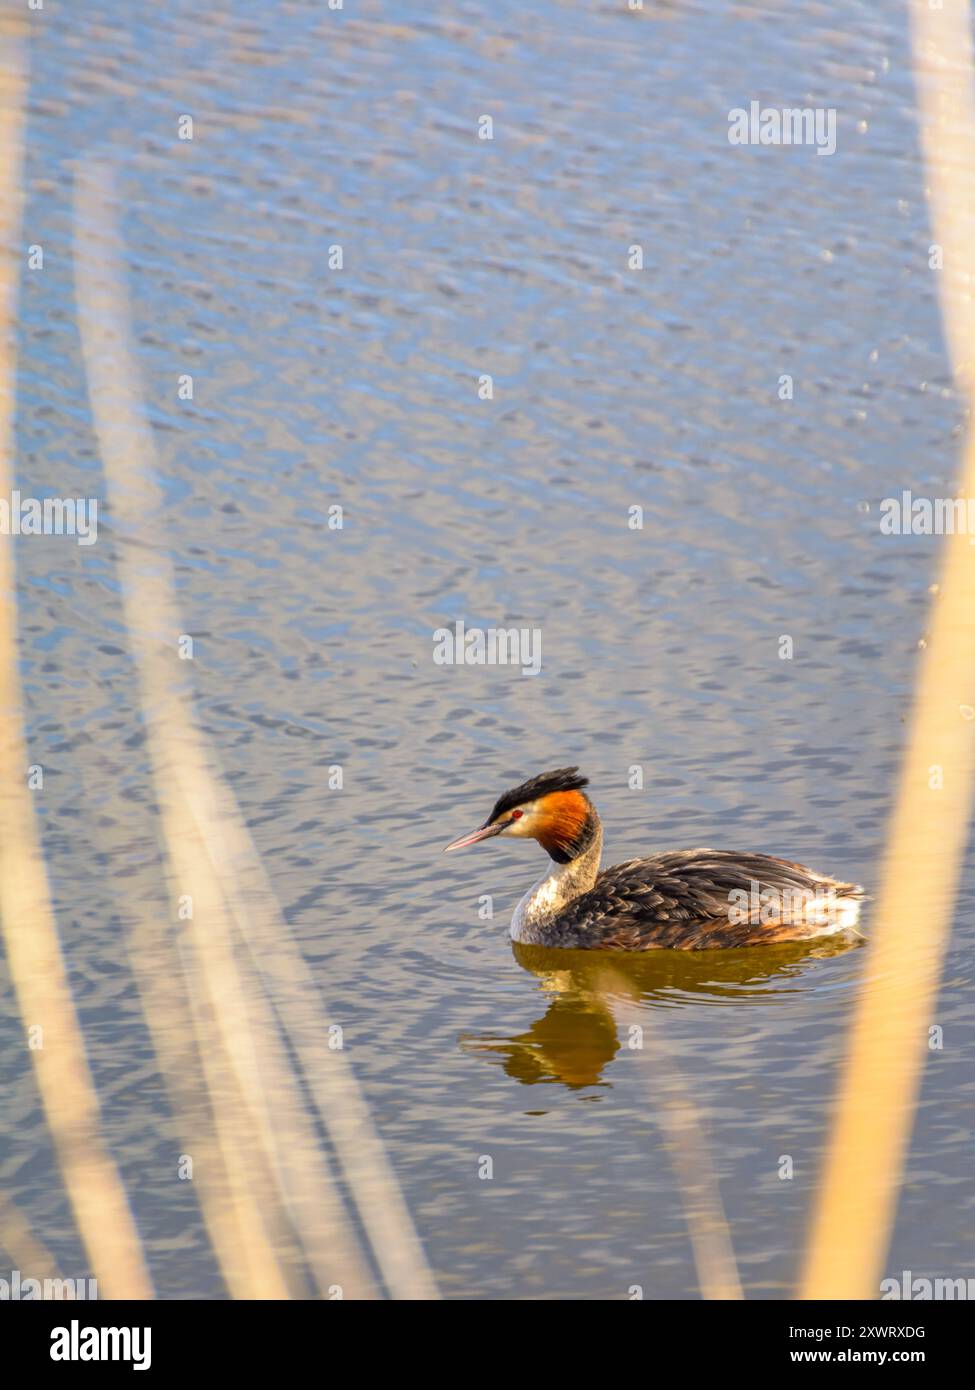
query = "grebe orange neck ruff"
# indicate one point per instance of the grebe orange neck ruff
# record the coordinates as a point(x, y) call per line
point(682, 899)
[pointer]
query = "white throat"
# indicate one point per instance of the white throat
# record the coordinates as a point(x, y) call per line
point(563, 882)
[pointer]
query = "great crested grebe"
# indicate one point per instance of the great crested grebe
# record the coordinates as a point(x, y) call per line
point(684, 900)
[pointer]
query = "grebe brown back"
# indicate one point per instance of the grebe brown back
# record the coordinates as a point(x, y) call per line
point(685, 900)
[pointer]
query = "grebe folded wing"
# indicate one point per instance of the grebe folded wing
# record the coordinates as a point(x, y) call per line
point(696, 899)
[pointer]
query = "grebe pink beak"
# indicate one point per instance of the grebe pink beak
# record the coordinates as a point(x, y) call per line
point(485, 833)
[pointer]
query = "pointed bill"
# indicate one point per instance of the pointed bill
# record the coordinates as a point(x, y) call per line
point(485, 833)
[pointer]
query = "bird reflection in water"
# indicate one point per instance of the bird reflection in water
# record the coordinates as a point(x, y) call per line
point(591, 1000)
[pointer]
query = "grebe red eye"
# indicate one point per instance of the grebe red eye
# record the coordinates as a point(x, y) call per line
point(517, 815)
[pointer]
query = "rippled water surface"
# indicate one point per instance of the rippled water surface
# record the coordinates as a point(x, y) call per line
point(613, 388)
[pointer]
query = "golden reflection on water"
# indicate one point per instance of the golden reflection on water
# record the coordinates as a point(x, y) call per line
point(580, 1030)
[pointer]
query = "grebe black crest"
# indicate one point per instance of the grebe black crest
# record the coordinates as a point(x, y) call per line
point(685, 900)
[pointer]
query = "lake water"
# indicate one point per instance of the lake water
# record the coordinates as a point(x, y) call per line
point(613, 388)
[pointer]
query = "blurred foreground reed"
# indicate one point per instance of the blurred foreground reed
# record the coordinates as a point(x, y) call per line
point(678, 1119)
point(235, 1017)
point(928, 835)
point(232, 970)
point(29, 932)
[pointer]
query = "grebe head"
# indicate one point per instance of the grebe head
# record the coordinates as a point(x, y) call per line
point(552, 809)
